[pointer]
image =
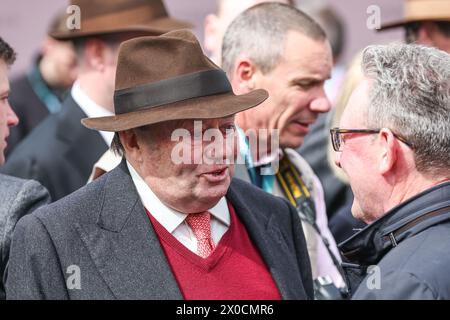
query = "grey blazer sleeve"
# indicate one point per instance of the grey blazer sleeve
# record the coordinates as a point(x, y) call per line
point(34, 269)
point(17, 199)
point(27, 167)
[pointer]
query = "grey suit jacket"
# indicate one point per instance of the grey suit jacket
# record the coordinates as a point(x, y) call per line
point(98, 243)
point(17, 198)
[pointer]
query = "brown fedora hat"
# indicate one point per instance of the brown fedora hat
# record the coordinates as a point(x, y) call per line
point(102, 17)
point(422, 10)
point(169, 78)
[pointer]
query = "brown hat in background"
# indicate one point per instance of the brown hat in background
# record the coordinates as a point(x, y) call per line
point(169, 78)
point(422, 10)
point(101, 17)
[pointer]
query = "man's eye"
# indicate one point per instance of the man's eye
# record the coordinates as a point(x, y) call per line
point(306, 85)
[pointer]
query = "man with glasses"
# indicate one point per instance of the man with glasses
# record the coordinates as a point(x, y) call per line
point(394, 145)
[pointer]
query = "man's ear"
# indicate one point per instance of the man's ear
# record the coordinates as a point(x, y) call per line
point(389, 147)
point(47, 45)
point(244, 76)
point(424, 33)
point(130, 143)
point(94, 53)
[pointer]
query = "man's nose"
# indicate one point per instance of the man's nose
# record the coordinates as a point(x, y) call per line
point(11, 117)
point(320, 104)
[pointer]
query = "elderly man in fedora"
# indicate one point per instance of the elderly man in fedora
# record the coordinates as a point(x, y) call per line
point(425, 22)
point(60, 152)
point(155, 227)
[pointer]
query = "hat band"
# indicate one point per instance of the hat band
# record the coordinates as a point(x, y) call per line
point(193, 85)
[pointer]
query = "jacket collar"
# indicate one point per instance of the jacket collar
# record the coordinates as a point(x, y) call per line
point(409, 218)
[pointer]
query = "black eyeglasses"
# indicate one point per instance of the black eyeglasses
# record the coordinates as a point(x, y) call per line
point(337, 139)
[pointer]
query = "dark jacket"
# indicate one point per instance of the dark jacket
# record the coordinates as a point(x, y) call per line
point(59, 153)
point(17, 198)
point(410, 246)
point(29, 97)
point(104, 231)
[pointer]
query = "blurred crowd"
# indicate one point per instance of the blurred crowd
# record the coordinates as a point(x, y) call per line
point(342, 190)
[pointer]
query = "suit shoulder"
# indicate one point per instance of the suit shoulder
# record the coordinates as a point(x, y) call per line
point(15, 185)
point(10, 182)
point(75, 207)
point(257, 197)
point(40, 143)
point(251, 190)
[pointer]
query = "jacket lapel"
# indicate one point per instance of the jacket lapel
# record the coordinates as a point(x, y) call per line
point(124, 246)
point(275, 252)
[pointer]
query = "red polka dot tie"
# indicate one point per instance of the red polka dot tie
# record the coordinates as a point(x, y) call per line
point(201, 226)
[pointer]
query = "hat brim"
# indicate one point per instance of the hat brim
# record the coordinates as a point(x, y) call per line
point(401, 23)
point(393, 24)
point(209, 107)
point(154, 27)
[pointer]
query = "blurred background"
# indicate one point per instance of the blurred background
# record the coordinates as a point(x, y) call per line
point(23, 23)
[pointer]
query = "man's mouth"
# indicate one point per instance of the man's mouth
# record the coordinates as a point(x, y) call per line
point(216, 175)
point(302, 126)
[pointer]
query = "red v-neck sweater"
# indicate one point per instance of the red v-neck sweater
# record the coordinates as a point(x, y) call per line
point(233, 271)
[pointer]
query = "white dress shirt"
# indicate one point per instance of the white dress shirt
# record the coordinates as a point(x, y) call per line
point(174, 221)
point(91, 109)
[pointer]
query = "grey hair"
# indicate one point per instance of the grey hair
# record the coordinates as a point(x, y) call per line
point(410, 95)
point(260, 31)
point(116, 145)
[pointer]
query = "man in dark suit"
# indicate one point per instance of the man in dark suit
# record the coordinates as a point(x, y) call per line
point(17, 197)
point(60, 153)
point(42, 89)
point(169, 222)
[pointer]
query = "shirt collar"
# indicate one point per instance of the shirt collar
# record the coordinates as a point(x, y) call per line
point(91, 109)
point(169, 218)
